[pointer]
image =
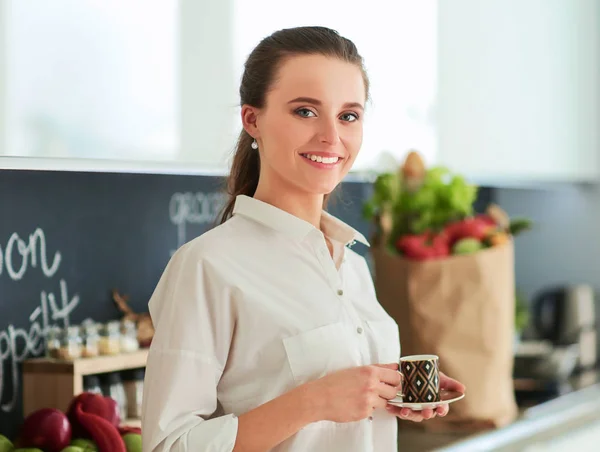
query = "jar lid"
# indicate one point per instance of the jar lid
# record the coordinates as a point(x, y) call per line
point(112, 326)
point(134, 374)
point(91, 328)
point(113, 378)
point(53, 331)
point(91, 381)
point(73, 330)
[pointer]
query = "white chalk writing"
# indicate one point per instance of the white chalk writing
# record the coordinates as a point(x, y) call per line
point(28, 253)
point(194, 208)
point(17, 344)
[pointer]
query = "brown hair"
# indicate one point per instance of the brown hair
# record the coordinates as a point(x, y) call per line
point(259, 72)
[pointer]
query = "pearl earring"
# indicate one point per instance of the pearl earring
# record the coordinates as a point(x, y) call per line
point(254, 145)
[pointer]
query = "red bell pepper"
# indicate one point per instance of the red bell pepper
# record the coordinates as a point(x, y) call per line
point(103, 433)
point(424, 246)
point(104, 407)
point(478, 227)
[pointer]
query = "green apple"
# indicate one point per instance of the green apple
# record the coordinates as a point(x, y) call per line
point(28, 449)
point(73, 449)
point(86, 444)
point(467, 246)
point(5, 444)
point(133, 442)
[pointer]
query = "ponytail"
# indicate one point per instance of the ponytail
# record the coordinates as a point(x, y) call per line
point(243, 177)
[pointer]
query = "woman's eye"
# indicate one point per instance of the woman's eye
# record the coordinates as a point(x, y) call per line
point(350, 117)
point(305, 112)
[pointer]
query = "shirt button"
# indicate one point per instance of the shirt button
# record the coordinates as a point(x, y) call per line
point(340, 292)
point(359, 330)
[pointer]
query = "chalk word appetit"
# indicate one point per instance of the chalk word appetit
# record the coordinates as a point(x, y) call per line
point(17, 344)
point(194, 208)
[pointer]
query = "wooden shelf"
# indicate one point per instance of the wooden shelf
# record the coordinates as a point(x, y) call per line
point(88, 366)
point(132, 423)
point(52, 383)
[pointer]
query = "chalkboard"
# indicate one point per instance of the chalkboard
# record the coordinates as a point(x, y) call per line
point(67, 239)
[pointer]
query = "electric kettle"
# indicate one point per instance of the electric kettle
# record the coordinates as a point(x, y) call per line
point(561, 313)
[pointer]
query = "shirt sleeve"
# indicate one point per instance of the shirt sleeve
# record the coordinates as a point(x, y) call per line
point(193, 315)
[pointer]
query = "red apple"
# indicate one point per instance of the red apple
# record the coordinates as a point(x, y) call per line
point(47, 429)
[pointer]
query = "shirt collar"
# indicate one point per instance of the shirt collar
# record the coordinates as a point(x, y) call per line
point(289, 224)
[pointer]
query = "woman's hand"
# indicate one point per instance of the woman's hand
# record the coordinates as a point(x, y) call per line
point(353, 394)
point(446, 383)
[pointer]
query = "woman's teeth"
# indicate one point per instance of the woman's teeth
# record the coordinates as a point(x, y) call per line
point(319, 159)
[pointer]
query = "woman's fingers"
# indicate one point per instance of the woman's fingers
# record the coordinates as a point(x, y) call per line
point(387, 392)
point(442, 410)
point(390, 376)
point(451, 384)
point(410, 415)
point(427, 413)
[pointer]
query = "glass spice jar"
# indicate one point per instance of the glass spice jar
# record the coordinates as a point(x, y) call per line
point(91, 383)
point(113, 388)
point(133, 382)
point(91, 341)
point(109, 342)
point(53, 335)
point(70, 344)
point(129, 342)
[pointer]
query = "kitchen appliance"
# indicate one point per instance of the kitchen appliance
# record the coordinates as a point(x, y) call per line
point(566, 315)
point(544, 361)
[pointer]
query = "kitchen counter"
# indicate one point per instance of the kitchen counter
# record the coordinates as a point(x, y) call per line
point(572, 412)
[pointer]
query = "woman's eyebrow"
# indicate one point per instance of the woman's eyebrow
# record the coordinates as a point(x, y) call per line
point(311, 100)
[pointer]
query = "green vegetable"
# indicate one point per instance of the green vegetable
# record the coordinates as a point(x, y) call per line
point(386, 189)
point(519, 225)
point(521, 312)
point(6, 445)
point(441, 198)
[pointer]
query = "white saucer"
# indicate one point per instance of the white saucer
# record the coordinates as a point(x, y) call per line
point(446, 397)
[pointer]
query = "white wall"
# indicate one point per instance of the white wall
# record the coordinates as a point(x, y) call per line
point(519, 87)
point(73, 66)
point(208, 81)
point(2, 76)
point(93, 79)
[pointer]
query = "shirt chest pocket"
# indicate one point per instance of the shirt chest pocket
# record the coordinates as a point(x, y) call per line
point(317, 352)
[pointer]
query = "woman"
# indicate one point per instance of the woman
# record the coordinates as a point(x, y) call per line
point(269, 335)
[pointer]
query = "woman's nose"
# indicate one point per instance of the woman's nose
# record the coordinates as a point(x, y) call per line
point(329, 133)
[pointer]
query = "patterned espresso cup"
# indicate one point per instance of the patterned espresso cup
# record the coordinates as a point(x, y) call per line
point(420, 378)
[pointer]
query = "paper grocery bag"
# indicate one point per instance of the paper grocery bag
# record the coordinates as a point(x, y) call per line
point(461, 308)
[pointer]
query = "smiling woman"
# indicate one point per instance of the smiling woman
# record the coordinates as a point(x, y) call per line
point(321, 121)
point(268, 332)
point(302, 101)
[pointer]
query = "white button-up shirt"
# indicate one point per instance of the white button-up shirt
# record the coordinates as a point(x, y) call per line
point(250, 310)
